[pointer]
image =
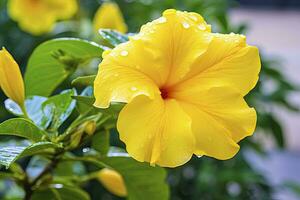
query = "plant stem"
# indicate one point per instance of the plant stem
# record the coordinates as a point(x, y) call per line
point(29, 187)
point(23, 108)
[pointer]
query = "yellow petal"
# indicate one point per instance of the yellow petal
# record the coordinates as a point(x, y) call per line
point(212, 139)
point(63, 9)
point(11, 80)
point(116, 82)
point(39, 26)
point(227, 61)
point(175, 41)
point(156, 131)
point(109, 16)
point(113, 182)
point(226, 106)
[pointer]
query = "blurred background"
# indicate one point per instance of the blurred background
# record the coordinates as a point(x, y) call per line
point(268, 165)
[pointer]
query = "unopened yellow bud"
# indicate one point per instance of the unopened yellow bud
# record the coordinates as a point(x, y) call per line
point(11, 80)
point(113, 182)
point(109, 16)
point(90, 127)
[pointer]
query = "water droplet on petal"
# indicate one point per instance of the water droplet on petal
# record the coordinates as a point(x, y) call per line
point(202, 27)
point(136, 37)
point(199, 156)
point(162, 20)
point(133, 88)
point(113, 54)
point(193, 17)
point(124, 53)
point(185, 25)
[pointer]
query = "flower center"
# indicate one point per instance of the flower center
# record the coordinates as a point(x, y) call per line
point(164, 93)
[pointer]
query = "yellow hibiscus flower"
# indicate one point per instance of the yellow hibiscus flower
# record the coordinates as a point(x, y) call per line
point(109, 16)
point(184, 89)
point(39, 16)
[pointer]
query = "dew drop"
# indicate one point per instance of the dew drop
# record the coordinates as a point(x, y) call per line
point(202, 27)
point(199, 156)
point(113, 54)
point(136, 37)
point(186, 25)
point(162, 20)
point(133, 88)
point(124, 53)
point(193, 17)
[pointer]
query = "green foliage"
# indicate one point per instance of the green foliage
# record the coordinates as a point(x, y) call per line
point(53, 61)
point(61, 107)
point(22, 128)
point(84, 80)
point(150, 180)
point(35, 112)
point(59, 191)
point(9, 154)
point(112, 38)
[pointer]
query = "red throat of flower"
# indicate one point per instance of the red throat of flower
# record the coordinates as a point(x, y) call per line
point(164, 93)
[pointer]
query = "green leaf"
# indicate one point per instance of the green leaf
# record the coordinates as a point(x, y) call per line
point(70, 168)
point(33, 104)
point(84, 80)
point(9, 154)
point(34, 107)
point(142, 180)
point(85, 101)
point(113, 38)
point(53, 61)
point(22, 128)
point(277, 131)
point(60, 106)
point(100, 142)
point(61, 192)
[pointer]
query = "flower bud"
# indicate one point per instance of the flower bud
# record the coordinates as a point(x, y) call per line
point(109, 16)
point(11, 80)
point(113, 182)
point(90, 127)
